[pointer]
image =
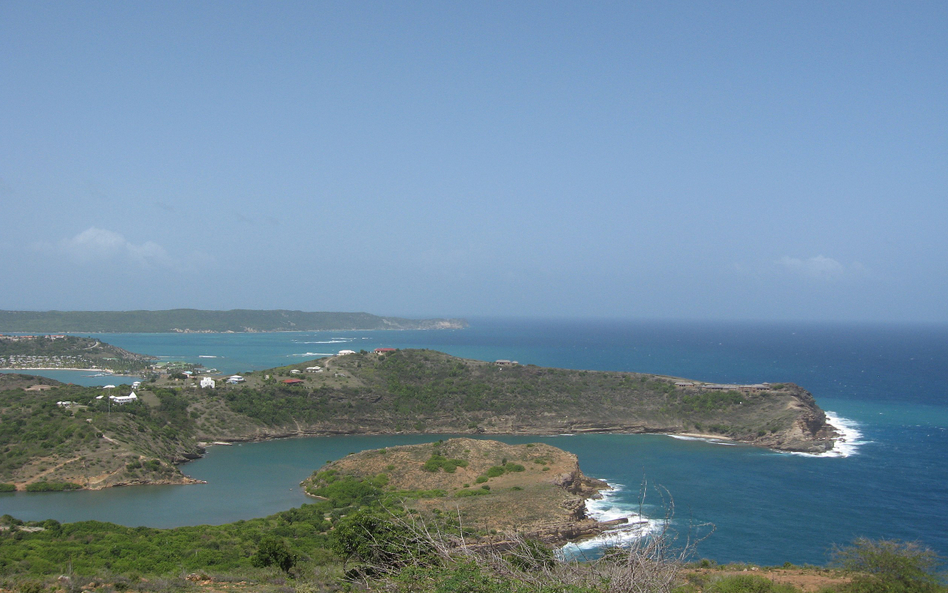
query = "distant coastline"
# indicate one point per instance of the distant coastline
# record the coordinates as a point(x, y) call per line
point(207, 321)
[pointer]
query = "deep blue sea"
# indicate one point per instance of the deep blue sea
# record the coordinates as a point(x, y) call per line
point(888, 384)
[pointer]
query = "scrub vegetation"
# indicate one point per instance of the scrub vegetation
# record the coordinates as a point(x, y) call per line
point(51, 432)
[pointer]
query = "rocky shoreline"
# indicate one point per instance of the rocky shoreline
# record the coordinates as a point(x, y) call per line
point(533, 490)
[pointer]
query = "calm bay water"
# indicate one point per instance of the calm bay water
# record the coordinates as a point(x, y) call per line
point(889, 382)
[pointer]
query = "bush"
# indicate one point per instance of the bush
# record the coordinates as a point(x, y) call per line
point(380, 541)
point(748, 584)
point(7, 487)
point(52, 486)
point(889, 566)
point(436, 462)
point(273, 552)
point(495, 471)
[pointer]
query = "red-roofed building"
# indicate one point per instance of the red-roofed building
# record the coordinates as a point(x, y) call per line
point(292, 381)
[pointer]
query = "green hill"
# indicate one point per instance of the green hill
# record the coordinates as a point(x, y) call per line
point(418, 391)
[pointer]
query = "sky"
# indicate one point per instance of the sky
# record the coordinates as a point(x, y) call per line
point(635, 160)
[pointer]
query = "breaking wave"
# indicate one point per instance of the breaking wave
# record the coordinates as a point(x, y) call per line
point(611, 507)
point(849, 441)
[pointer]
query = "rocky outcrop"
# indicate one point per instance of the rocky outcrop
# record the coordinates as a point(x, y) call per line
point(535, 490)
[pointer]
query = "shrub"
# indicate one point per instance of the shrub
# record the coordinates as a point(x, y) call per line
point(436, 462)
point(7, 487)
point(380, 541)
point(495, 471)
point(748, 584)
point(889, 566)
point(52, 486)
point(273, 552)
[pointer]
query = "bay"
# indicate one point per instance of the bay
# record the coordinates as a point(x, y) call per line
point(888, 382)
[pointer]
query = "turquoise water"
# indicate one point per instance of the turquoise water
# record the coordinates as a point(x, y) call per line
point(889, 383)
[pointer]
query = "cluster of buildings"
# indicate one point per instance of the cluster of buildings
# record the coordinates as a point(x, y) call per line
point(27, 338)
point(755, 388)
point(28, 361)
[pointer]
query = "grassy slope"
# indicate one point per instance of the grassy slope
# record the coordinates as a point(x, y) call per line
point(87, 443)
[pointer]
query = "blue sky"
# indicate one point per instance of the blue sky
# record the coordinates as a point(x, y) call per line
point(679, 160)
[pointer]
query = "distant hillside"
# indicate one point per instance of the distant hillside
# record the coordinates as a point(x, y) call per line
point(67, 352)
point(194, 320)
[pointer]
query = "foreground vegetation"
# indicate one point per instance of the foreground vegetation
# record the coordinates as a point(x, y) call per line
point(354, 541)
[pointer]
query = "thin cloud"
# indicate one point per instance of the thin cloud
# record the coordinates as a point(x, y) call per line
point(95, 245)
point(821, 267)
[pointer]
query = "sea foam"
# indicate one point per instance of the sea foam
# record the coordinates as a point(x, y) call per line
point(848, 441)
point(609, 508)
point(712, 440)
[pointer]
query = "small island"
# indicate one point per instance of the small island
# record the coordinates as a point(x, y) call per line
point(535, 490)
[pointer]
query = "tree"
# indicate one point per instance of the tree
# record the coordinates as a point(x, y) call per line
point(890, 566)
point(272, 552)
point(381, 541)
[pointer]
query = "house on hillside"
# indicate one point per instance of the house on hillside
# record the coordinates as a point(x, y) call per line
point(384, 350)
point(345, 352)
point(207, 382)
point(124, 399)
point(292, 381)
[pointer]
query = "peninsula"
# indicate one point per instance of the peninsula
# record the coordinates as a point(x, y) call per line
point(195, 320)
point(92, 437)
point(68, 352)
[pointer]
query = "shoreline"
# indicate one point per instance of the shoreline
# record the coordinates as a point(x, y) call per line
point(64, 369)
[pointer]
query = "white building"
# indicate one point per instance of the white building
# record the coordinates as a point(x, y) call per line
point(314, 369)
point(207, 382)
point(124, 399)
point(344, 352)
point(235, 379)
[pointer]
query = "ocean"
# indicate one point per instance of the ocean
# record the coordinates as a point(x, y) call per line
point(886, 385)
